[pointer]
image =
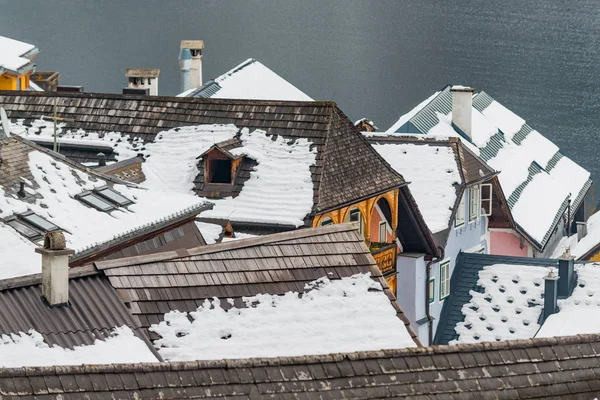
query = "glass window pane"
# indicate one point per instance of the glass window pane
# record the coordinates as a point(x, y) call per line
point(114, 196)
point(23, 229)
point(40, 222)
point(96, 202)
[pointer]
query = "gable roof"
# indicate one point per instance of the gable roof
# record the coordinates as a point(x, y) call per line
point(274, 264)
point(51, 183)
point(250, 80)
point(438, 171)
point(533, 171)
point(538, 368)
point(15, 56)
point(346, 170)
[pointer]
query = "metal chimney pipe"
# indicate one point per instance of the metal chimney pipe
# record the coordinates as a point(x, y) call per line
point(185, 65)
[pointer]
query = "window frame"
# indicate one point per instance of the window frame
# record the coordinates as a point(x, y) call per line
point(461, 206)
point(326, 221)
point(14, 219)
point(209, 171)
point(474, 203)
point(99, 191)
point(89, 193)
point(384, 225)
point(361, 221)
point(25, 217)
point(491, 189)
point(431, 290)
point(444, 285)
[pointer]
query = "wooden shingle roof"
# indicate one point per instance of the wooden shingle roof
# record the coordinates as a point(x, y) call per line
point(274, 264)
point(565, 367)
point(347, 169)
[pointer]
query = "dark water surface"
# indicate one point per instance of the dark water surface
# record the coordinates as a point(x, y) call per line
point(374, 58)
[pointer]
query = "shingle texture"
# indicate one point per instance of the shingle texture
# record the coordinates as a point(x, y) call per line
point(346, 169)
point(273, 264)
point(94, 310)
point(537, 368)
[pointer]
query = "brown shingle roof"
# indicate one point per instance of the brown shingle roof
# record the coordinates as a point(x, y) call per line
point(273, 264)
point(564, 367)
point(347, 169)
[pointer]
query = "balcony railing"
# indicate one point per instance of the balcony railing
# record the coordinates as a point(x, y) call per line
point(385, 256)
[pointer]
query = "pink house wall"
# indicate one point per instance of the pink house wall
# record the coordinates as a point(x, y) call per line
point(506, 244)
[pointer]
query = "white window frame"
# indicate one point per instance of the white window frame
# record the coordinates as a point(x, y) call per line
point(361, 222)
point(326, 221)
point(382, 229)
point(486, 200)
point(474, 203)
point(459, 218)
point(444, 279)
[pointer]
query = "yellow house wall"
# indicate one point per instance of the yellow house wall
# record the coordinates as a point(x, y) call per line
point(595, 257)
point(9, 82)
point(367, 209)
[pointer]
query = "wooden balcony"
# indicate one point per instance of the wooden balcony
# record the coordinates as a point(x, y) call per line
point(385, 256)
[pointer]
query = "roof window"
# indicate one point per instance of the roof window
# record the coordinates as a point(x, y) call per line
point(219, 171)
point(113, 196)
point(104, 199)
point(30, 225)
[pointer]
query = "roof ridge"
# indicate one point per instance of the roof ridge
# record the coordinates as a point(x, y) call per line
point(36, 279)
point(323, 103)
point(315, 205)
point(307, 359)
point(236, 244)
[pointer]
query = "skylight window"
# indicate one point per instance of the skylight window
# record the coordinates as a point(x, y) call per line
point(39, 222)
point(23, 229)
point(113, 196)
point(95, 201)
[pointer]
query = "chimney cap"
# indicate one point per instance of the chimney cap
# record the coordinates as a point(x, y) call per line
point(142, 73)
point(551, 275)
point(460, 88)
point(192, 44)
point(54, 243)
point(566, 255)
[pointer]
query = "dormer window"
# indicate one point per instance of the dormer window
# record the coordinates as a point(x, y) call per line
point(219, 171)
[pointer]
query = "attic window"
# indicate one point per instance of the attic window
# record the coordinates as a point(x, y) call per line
point(113, 196)
point(39, 222)
point(95, 201)
point(220, 171)
point(25, 230)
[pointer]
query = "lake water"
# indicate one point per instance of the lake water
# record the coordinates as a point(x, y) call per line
point(374, 58)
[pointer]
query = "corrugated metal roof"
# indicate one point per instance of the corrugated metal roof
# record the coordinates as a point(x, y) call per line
point(427, 118)
point(94, 310)
point(206, 91)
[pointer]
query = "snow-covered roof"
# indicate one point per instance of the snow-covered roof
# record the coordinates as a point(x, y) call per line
point(537, 179)
point(250, 80)
point(51, 184)
point(435, 184)
point(508, 300)
point(330, 316)
point(15, 55)
point(29, 349)
point(585, 248)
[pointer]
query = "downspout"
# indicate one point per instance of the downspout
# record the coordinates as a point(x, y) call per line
point(569, 218)
point(428, 294)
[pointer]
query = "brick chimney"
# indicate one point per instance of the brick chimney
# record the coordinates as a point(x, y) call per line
point(462, 106)
point(55, 269)
point(192, 50)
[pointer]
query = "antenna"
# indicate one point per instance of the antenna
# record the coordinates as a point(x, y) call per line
point(5, 131)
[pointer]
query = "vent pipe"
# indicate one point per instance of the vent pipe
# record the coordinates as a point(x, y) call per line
point(185, 64)
point(21, 192)
point(55, 269)
point(566, 274)
point(462, 107)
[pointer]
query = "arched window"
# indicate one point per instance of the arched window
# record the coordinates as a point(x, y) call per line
point(356, 216)
point(326, 221)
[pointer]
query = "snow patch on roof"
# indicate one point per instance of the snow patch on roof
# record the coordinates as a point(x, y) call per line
point(508, 122)
point(11, 53)
point(404, 118)
point(432, 173)
point(347, 315)
point(210, 232)
point(508, 309)
point(29, 349)
point(253, 80)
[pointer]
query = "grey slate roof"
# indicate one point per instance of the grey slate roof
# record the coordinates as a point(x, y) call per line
point(275, 264)
point(464, 279)
point(564, 367)
point(426, 118)
point(94, 310)
point(347, 169)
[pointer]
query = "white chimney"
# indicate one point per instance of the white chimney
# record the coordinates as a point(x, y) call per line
point(195, 48)
point(55, 269)
point(462, 106)
point(143, 78)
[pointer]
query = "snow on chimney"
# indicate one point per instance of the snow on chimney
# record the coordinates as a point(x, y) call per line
point(191, 50)
point(462, 106)
point(143, 78)
point(55, 269)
